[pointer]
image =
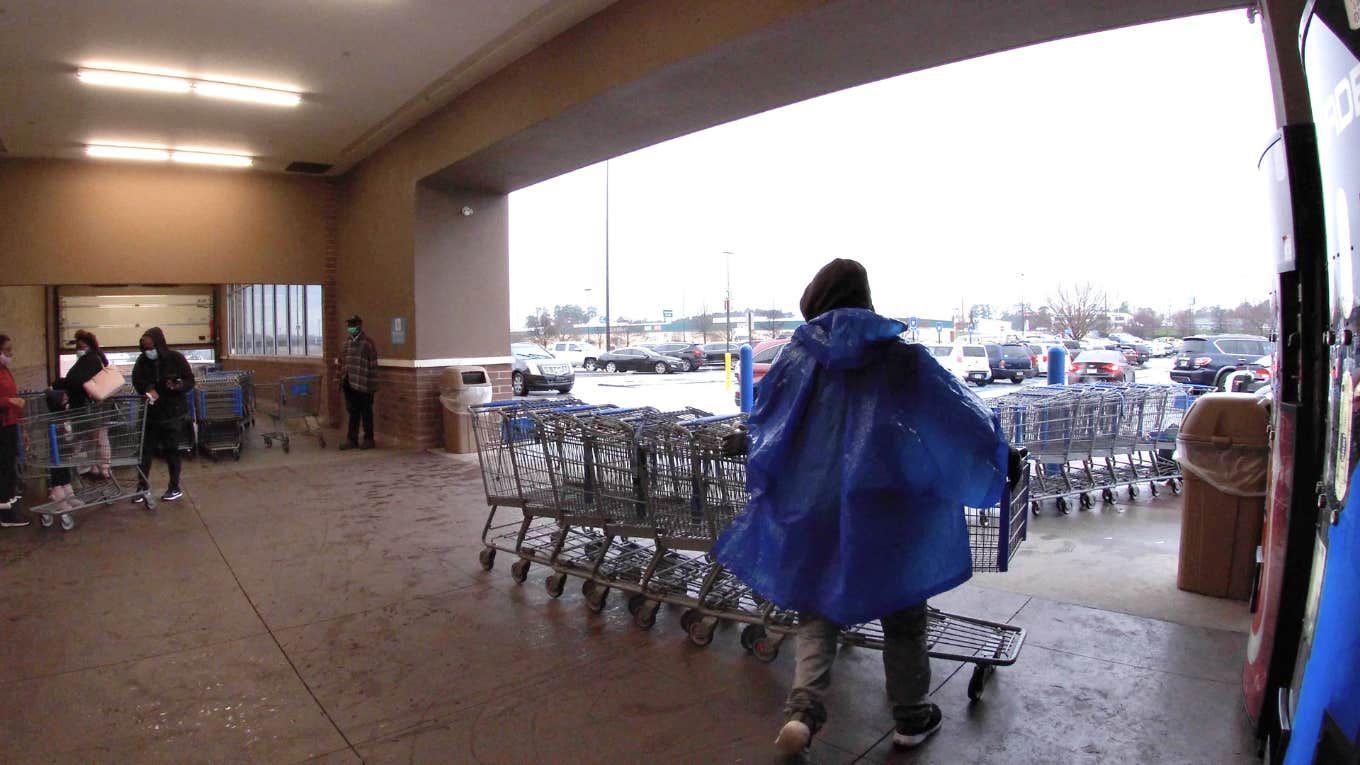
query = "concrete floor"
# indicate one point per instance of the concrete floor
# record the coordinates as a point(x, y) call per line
point(326, 607)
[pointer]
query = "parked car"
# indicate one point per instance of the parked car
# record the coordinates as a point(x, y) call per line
point(945, 355)
point(534, 369)
point(714, 352)
point(577, 353)
point(763, 356)
point(639, 359)
point(1010, 361)
point(971, 358)
point(1100, 366)
point(1136, 353)
point(1161, 348)
point(1208, 359)
point(692, 354)
point(1040, 356)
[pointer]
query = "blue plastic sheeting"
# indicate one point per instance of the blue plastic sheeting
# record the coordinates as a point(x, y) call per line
point(1331, 681)
point(863, 452)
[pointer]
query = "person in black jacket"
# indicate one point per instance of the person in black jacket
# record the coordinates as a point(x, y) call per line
point(89, 362)
point(164, 377)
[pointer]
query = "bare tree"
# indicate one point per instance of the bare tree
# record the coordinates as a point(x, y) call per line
point(1255, 318)
point(1078, 308)
point(1145, 323)
point(1185, 323)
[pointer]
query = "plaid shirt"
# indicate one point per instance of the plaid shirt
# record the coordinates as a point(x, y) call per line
point(361, 364)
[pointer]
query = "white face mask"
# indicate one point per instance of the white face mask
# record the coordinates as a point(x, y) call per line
point(151, 354)
point(81, 354)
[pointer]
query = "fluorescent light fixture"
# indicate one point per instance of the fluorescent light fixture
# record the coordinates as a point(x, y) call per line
point(195, 157)
point(136, 80)
point(127, 152)
point(206, 158)
point(246, 93)
point(173, 84)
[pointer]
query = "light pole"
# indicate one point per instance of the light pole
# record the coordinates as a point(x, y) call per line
point(608, 317)
point(727, 304)
point(1024, 318)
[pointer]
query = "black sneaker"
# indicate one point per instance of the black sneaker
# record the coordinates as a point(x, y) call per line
point(171, 495)
point(140, 497)
point(905, 737)
point(10, 519)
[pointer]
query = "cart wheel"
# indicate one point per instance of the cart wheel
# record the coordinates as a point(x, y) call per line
point(1034, 508)
point(150, 501)
point(269, 443)
point(1152, 487)
point(68, 522)
point(237, 454)
point(1086, 502)
point(1063, 507)
point(487, 557)
point(587, 587)
point(1175, 484)
point(688, 618)
point(555, 584)
point(765, 648)
point(47, 520)
point(749, 635)
point(519, 571)
point(645, 617)
point(981, 674)
point(597, 599)
point(1107, 495)
point(701, 631)
point(1133, 491)
point(285, 447)
point(635, 602)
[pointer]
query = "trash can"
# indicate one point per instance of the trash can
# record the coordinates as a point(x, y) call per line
point(1224, 453)
point(460, 388)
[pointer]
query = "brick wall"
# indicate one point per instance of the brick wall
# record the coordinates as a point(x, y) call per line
point(407, 412)
point(330, 306)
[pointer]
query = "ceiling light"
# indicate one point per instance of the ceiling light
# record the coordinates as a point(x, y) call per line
point(179, 84)
point(193, 157)
point(246, 93)
point(127, 152)
point(205, 158)
point(137, 80)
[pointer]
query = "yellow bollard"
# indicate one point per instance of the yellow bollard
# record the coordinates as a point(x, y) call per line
point(727, 371)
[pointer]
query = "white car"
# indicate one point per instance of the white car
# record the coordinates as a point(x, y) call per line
point(971, 361)
point(579, 354)
point(1040, 352)
point(944, 354)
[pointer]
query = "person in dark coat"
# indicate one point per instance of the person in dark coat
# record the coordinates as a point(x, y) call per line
point(164, 376)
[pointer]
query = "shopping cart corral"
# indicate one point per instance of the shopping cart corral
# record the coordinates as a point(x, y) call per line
point(1089, 440)
point(633, 500)
point(295, 411)
point(106, 434)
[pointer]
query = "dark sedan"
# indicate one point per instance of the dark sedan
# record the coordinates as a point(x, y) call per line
point(714, 352)
point(640, 360)
point(1101, 366)
point(692, 354)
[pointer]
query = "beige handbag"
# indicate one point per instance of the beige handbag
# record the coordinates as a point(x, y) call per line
point(104, 384)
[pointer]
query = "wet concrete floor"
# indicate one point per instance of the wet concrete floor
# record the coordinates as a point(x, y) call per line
point(325, 607)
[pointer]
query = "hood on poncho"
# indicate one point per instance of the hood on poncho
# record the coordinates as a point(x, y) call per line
point(157, 336)
point(840, 284)
point(842, 338)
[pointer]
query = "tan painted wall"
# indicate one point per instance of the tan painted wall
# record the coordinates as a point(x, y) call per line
point(23, 316)
point(84, 222)
point(377, 241)
point(462, 277)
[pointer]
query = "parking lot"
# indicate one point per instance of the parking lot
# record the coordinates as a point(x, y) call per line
point(705, 390)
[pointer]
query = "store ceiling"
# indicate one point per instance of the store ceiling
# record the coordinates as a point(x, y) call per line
point(366, 69)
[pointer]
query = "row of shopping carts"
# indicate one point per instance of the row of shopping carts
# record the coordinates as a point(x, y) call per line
point(633, 500)
point(1100, 438)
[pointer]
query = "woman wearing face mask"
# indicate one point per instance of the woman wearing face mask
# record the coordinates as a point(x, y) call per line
point(11, 409)
point(164, 377)
point(89, 362)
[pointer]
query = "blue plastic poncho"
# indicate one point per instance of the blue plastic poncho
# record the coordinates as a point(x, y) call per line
point(863, 452)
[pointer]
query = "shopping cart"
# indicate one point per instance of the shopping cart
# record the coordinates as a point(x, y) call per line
point(296, 411)
point(104, 434)
point(221, 415)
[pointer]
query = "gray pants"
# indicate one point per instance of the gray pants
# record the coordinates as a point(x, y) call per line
point(906, 663)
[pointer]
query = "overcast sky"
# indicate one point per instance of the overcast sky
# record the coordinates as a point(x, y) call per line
point(1127, 158)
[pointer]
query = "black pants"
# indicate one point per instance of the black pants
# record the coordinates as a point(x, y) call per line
point(9, 462)
point(161, 436)
point(360, 407)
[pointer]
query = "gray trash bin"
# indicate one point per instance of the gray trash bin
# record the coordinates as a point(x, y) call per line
point(460, 388)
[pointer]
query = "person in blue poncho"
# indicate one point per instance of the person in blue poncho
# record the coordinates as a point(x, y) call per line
point(863, 452)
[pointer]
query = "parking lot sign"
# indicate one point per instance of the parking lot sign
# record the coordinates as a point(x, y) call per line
point(668, 314)
point(912, 323)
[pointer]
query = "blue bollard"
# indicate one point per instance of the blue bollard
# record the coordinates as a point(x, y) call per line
point(748, 383)
point(1057, 365)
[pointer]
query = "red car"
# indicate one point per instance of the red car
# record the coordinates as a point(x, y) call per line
point(763, 356)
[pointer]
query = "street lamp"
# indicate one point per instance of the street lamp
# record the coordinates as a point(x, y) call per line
point(727, 304)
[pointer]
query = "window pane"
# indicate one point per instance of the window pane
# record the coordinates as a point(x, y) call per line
point(256, 319)
point(297, 324)
point(267, 328)
point(314, 320)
